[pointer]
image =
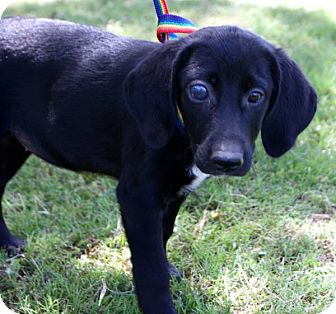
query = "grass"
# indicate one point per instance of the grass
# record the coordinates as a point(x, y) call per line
point(265, 243)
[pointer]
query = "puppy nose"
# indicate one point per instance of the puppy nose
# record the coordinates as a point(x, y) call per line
point(227, 161)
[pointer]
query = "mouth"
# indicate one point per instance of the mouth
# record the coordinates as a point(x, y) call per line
point(229, 158)
point(213, 171)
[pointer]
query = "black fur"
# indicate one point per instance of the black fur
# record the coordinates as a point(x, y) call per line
point(88, 100)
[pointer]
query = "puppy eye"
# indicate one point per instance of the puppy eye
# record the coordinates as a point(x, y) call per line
point(198, 92)
point(255, 97)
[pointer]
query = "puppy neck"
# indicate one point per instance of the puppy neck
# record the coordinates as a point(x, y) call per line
point(197, 177)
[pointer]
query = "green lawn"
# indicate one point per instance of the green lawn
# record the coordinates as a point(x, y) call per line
point(265, 243)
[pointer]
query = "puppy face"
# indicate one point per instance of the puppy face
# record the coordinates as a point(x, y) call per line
point(225, 90)
point(229, 84)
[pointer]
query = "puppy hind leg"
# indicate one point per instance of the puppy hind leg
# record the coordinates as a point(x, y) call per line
point(12, 157)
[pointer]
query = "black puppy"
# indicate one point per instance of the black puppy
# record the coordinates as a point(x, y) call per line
point(88, 100)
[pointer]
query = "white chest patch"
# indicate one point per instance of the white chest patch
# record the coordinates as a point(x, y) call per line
point(198, 177)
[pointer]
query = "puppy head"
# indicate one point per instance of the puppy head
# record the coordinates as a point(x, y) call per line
point(229, 84)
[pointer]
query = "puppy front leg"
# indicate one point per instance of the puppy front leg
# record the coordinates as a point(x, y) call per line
point(142, 221)
point(168, 221)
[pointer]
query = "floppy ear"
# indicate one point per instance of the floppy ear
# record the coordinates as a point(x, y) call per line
point(150, 94)
point(292, 107)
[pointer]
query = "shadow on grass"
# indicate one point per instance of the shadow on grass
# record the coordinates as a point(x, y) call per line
point(51, 278)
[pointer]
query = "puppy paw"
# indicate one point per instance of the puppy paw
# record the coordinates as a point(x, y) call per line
point(174, 272)
point(13, 246)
